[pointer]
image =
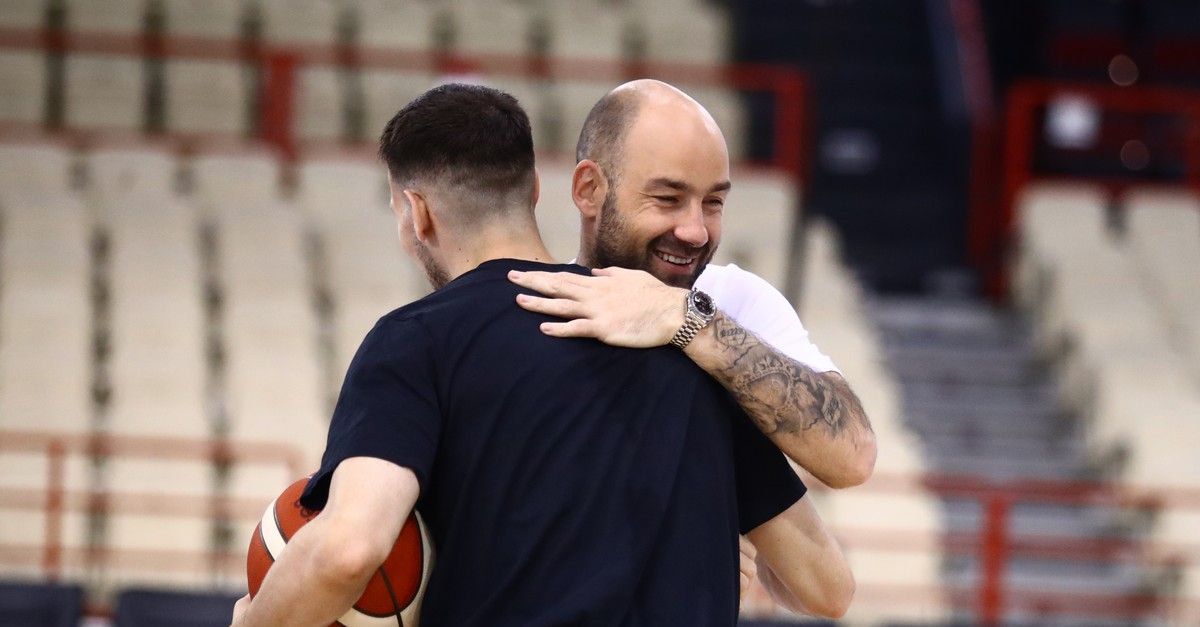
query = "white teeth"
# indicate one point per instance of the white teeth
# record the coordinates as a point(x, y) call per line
point(682, 261)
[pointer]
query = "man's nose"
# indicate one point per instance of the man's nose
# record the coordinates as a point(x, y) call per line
point(691, 229)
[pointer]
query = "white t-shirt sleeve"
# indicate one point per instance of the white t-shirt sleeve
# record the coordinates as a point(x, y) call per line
point(756, 305)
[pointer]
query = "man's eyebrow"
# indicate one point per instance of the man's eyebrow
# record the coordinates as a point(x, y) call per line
point(675, 184)
point(683, 186)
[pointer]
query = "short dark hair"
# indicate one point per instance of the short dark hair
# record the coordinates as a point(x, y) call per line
point(463, 135)
point(602, 138)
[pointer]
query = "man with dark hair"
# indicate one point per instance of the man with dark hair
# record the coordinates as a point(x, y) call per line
point(650, 184)
point(563, 482)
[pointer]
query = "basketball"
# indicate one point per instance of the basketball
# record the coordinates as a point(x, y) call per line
point(394, 592)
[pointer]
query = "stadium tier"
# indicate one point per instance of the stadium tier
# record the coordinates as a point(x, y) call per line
point(195, 236)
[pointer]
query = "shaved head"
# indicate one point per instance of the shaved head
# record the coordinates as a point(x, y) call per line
point(602, 138)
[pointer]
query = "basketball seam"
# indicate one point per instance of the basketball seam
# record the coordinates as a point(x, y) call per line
point(387, 583)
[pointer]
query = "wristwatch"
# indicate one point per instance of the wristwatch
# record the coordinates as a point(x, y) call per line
point(700, 312)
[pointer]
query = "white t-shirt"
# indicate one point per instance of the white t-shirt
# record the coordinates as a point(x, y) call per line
point(756, 305)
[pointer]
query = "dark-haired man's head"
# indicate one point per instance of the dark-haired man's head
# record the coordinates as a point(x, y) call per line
point(460, 167)
point(650, 182)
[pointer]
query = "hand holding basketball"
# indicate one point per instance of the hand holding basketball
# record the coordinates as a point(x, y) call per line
point(396, 589)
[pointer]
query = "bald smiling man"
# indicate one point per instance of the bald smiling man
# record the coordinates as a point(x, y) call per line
point(650, 184)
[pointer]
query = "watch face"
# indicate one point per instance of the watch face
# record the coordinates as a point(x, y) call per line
point(703, 303)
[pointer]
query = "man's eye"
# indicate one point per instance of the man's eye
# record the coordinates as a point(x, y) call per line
point(667, 199)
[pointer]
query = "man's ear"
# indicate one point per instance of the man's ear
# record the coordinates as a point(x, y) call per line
point(589, 187)
point(422, 218)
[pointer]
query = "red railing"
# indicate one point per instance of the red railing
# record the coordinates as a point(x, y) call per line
point(55, 500)
point(991, 233)
point(995, 544)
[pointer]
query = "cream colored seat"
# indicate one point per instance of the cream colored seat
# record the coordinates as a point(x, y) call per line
point(104, 92)
point(22, 87)
point(235, 181)
point(207, 97)
point(118, 17)
point(757, 225)
point(216, 19)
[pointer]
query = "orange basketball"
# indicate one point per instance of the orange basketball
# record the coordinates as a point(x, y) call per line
point(394, 592)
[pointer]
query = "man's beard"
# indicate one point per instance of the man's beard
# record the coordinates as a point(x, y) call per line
point(436, 274)
point(614, 247)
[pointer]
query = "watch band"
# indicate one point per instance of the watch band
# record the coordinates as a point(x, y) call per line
point(686, 333)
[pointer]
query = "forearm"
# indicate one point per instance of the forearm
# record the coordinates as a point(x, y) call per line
point(814, 418)
point(301, 589)
point(802, 565)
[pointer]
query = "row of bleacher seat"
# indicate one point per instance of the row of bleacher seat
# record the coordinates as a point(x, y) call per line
point(110, 91)
point(671, 30)
point(144, 293)
point(1118, 308)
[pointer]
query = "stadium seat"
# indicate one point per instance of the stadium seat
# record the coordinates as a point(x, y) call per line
point(45, 317)
point(385, 92)
point(40, 604)
point(756, 231)
point(491, 27)
point(22, 87)
point(34, 171)
point(585, 30)
point(118, 17)
point(577, 99)
point(23, 14)
point(557, 216)
point(1164, 235)
point(696, 34)
point(336, 191)
point(235, 180)
point(366, 272)
point(119, 172)
point(218, 19)
point(161, 608)
point(726, 108)
point(273, 370)
point(300, 21)
point(45, 367)
point(104, 92)
point(320, 109)
point(158, 375)
point(206, 97)
point(389, 24)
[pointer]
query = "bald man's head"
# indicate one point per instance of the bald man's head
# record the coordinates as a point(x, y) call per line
point(602, 138)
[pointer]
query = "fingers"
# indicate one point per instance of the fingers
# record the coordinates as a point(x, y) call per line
point(747, 548)
point(580, 327)
point(747, 565)
point(557, 284)
point(560, 307)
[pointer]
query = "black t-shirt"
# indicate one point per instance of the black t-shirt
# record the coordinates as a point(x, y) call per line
point(565, 482)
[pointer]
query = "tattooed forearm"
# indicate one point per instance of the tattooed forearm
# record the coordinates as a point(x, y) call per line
point(814, 418)
point(780, 394)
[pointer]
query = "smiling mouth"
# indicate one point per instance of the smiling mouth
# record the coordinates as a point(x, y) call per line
point(673, 260)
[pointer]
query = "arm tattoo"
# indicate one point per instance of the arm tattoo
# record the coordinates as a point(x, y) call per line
point(780, 394)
